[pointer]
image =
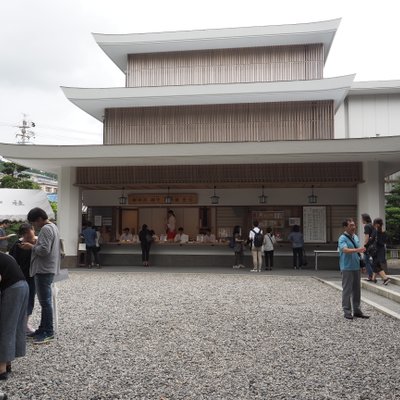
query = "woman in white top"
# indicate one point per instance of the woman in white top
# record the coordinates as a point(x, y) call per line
point(268, 246)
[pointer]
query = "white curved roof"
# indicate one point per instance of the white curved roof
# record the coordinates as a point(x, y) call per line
point(52, 158)
point(95, 101)
point(375, 87)
point(118, 46)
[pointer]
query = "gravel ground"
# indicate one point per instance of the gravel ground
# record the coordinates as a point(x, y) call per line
point(208, 336)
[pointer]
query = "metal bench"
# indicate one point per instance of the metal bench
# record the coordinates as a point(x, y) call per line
point(318, 252)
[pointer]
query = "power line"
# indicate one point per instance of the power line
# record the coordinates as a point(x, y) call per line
point(58, 128)
point(25, 134)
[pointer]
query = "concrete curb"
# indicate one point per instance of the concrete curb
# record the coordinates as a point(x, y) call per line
point(382, 309)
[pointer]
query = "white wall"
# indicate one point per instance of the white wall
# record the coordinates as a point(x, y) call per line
point(368, 116)
point(371, 195)
point(68, 210)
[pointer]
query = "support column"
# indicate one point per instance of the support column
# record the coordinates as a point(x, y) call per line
point(69, 214)
point(371, 193)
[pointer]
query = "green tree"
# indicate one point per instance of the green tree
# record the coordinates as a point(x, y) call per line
point(54, 205)
point(14, 177)
point(393, 215)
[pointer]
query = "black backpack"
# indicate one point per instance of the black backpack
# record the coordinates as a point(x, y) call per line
point(258, 238)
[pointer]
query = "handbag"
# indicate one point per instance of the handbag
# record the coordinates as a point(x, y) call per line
point(372, 249)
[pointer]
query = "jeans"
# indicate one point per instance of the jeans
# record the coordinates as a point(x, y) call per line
point(92, 250)
point(368, 265)
point(43, 284)
point(297, 257)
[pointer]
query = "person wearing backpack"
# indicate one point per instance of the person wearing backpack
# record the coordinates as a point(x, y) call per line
point(256, 239)
point(296, 237)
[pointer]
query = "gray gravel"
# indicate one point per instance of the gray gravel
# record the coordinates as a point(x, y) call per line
point(208, 336)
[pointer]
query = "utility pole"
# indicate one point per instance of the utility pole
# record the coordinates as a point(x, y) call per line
point(25, 134)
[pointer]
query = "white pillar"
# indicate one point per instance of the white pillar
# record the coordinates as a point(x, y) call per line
point(371, 193)
point(69, 210)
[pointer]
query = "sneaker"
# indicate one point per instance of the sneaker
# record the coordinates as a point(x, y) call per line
point(236, 266)
point(34, 334)
point(253, 270)
point(43, 338)
point(242, 266)
point(386, 281)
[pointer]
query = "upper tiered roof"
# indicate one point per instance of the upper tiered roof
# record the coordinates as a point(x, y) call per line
point(118, 46)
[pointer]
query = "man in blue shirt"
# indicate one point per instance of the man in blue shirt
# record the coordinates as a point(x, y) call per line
point(89, 234)
point(349, 249)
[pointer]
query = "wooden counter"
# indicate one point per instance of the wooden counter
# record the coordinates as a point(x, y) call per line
point(197, 255)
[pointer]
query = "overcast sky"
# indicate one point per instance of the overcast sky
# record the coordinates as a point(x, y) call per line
point(45, 44)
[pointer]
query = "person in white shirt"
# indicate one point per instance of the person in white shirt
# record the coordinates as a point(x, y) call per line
point(126, 235)
point(256, 246)
point(181, 237)
point(209, 237)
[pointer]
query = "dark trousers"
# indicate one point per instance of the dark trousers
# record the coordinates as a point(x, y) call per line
point(92, 250)
point(269, 259)
point(145, 251)
point(238, 257)
point(297, 257)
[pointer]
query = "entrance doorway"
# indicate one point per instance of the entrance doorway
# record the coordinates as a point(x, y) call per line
point(129, 219)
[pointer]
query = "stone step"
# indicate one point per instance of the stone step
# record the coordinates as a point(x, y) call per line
point(381, 303)
point(391, 291)
point(394, 279)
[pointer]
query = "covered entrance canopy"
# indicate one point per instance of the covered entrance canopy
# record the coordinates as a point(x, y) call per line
point(385, 150)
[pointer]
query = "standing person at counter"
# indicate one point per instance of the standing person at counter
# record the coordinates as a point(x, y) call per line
point(296, 237)
point(171, 225)
point(91, 241)
point(238, 247)
point(268, 246)
point(14, 301)
point(256, 239)
point(146, 239)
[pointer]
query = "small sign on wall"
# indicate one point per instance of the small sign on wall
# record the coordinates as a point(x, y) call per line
point(98, 220)
point(294, 221)
point(176, 198)
point(314, 227)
